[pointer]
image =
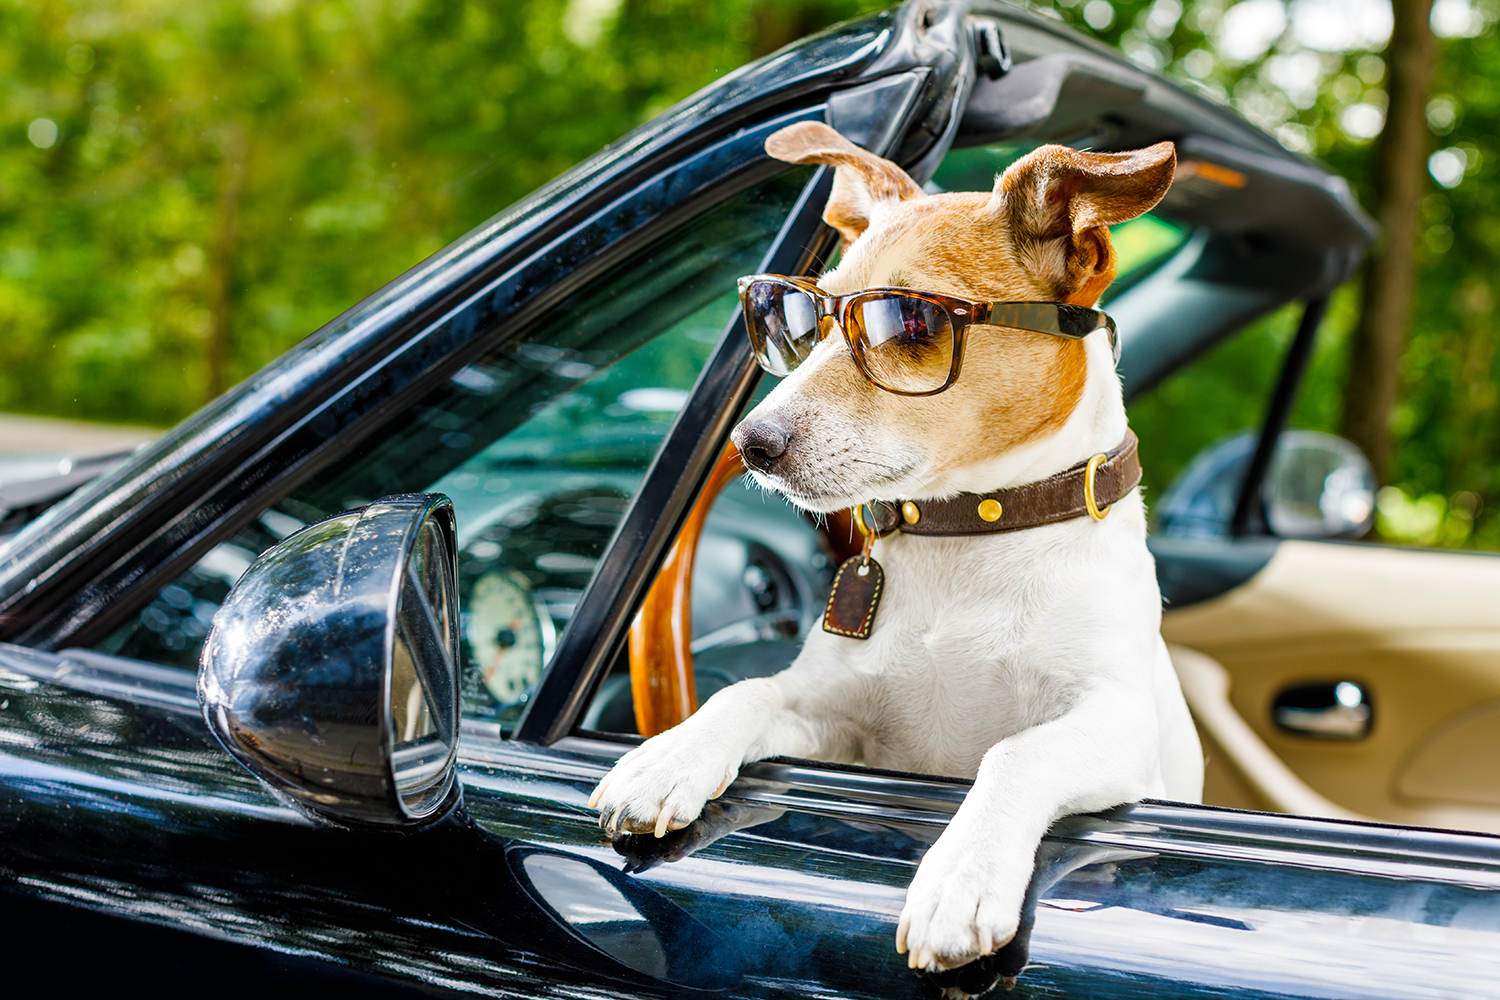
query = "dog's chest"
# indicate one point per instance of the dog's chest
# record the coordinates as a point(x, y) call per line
point(966, 651)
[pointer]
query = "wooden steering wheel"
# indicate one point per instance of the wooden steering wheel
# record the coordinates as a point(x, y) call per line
point(661, 660)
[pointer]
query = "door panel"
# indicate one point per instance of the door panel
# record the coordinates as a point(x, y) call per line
point(1418, 630)
point(116, 805)
point(1242, 772)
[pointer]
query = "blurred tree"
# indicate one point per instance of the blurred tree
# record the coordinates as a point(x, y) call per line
point(1399, 179)
point(1313, 73)
point(188, 187)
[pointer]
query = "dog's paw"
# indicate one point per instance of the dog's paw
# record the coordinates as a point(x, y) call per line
point(661, 785)
point(963, 904)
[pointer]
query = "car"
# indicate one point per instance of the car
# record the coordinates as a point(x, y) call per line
point(412, 555)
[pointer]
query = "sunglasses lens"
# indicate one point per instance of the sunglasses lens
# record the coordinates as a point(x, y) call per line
point(783, 325)
point(904, 342)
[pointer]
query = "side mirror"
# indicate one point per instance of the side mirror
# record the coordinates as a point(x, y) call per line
point(1318, 486)
point(331, 669)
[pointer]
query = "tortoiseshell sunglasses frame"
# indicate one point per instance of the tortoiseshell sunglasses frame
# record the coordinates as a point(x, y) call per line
point(1057, 319)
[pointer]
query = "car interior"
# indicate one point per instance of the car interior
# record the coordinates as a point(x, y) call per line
point(1328, 676)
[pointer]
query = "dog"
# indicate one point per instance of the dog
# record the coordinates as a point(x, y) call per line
point(1029, 661)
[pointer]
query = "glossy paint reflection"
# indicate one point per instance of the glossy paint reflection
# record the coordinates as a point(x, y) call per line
point(627, 920)
point(158, 824)
point(330, 671)
point(584, 899)
point(1149, 901)
point(1143, 902)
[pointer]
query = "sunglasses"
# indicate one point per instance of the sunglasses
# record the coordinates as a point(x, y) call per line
point(906, 342)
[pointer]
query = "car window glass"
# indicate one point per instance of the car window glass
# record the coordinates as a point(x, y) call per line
point(760, 582)
point(540, 443)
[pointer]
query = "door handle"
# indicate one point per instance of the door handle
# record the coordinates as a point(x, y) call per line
point(1337, 710)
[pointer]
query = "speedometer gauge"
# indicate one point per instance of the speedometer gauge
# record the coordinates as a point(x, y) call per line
point(505, 635)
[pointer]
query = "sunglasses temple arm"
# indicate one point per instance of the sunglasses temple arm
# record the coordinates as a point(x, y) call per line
point(1108, 326)
point(984, 312)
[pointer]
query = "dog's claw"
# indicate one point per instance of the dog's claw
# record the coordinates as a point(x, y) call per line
point(728, 777)
point(598, 793)
point(663, 823)
point(1009, 981)
point(901, 929)
point(986, 941)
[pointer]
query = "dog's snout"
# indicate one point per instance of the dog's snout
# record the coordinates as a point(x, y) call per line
point(761, 443)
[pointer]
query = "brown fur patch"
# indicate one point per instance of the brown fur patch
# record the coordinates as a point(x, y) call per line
point(862, 181)
point(1032, 400)
point(1016, 386)
point(1061, 201)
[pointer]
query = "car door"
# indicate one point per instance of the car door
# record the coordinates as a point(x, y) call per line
point(1331, 676)
point(116, 801)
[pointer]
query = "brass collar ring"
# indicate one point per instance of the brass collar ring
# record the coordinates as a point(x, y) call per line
point(1095, 511)
point(869, 524)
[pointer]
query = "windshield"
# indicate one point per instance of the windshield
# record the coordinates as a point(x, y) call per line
point(540, 443)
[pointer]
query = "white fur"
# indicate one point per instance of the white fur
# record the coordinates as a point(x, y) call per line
point(1030, 662)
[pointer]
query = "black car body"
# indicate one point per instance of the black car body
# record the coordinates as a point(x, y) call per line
point(499, 372)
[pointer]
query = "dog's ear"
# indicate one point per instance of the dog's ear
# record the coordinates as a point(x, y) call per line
point(861, 182)
point(1059, 203)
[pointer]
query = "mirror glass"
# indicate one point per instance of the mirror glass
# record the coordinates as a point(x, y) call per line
point(1318, 486)
point(421, 678)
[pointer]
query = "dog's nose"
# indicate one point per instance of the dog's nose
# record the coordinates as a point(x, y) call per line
point(761, 443)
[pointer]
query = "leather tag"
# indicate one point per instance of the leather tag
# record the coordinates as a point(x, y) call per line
point(854, 598)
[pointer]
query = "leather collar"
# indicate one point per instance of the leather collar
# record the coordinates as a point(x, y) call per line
point(1103, 479)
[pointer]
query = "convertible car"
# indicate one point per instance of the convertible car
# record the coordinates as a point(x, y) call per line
point(310, 693)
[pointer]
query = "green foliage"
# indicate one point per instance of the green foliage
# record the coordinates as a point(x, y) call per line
point(1431, 520)
point(189, 187)
point(1319, 91)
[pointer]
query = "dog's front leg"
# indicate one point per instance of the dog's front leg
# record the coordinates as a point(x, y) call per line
point(966, 898)
point(664, 783)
